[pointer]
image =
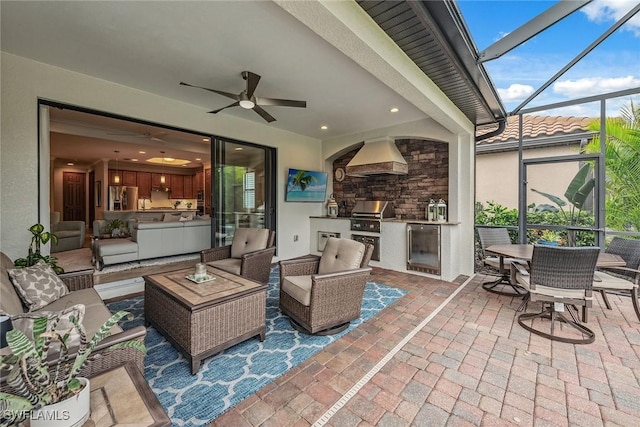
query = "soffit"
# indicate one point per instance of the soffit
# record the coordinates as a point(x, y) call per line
point(434, 37)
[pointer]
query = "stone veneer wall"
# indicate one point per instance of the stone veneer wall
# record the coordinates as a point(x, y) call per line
point(428, 178)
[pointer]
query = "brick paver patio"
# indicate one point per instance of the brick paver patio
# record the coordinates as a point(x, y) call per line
point(471, 365)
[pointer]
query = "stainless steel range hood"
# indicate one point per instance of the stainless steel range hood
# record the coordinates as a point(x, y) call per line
point(376, 157)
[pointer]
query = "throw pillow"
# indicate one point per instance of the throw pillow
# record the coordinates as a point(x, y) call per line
point(24, 323)
point(171, 218)
point(37, 285)
point(186, 217)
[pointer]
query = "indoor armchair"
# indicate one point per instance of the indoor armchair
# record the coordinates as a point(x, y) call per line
point(249, 254)
point(321, 295)
point(70, 234)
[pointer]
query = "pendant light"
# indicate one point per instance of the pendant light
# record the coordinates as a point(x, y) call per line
point(116, 177)
point(163, 179)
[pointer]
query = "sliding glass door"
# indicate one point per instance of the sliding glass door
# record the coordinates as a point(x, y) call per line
point(242, 188)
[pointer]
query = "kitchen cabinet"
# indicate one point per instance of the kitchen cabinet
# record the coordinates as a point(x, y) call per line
point(127, 178)
point(156, 184)
point(144, 184)
point(189, 190)
point(198, 182)
point(177, 186)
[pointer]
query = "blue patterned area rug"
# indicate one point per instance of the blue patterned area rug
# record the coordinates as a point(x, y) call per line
point(236, 373)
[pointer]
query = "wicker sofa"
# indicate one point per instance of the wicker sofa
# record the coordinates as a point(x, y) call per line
point(96, 313)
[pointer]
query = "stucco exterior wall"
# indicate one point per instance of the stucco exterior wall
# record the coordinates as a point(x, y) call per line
point(497, 175)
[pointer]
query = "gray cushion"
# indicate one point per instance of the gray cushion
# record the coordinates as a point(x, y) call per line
point(171, 218)
point(116, 247)
point(10, 302)
point(37, 285)
point(247, 240)
point(96, 313)
point(299, 288)
point(341, 254)
point(230, 265)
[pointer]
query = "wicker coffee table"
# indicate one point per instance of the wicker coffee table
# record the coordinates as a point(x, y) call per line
point(205, 318)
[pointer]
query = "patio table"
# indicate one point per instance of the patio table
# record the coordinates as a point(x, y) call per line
point(525, 252)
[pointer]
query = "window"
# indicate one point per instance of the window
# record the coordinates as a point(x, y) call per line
point(249, 190)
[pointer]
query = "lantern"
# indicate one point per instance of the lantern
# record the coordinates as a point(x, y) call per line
point(332, 207)
point(431, 211)
point(441, 210)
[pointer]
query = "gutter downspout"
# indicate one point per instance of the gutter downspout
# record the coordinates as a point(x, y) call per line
point(502, 124)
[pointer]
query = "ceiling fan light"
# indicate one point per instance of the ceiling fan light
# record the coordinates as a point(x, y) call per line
point(247, 103)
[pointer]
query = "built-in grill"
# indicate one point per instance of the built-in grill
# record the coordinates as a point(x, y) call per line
point(367, 216)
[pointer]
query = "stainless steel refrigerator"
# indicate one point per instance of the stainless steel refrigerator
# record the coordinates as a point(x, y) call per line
point(123, 198)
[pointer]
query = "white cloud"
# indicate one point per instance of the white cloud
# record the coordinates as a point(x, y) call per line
point(594, 85)
point(515, 92)
point(612, 10)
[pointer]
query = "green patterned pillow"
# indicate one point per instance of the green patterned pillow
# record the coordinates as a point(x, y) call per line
point(24, 323)
point(37, 285)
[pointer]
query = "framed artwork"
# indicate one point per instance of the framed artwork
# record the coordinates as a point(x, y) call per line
point(98, 194)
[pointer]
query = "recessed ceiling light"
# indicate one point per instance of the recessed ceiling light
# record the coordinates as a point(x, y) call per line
point(205, 139)
point(198, 159)
point(324, 127)
point(394, 110)
point(238, 148)
point(134, 160)
point(70, 164)
point(142, 152)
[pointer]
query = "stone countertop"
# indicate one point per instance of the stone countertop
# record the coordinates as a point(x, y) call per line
point(402, 220)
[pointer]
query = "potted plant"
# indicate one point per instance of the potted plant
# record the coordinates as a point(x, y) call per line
point(116, 227)
point(41, 384)
point(39, 238)
point(549, 238)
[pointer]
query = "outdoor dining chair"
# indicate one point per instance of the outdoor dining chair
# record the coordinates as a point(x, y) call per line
point(561, 278)
point(502, 285)
point(621, 279)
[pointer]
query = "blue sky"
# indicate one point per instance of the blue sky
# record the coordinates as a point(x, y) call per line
point(613, 65)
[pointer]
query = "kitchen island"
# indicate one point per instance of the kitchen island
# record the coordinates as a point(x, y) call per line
point(393, 242)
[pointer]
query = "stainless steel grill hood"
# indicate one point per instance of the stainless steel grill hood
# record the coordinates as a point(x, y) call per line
point(376, 157)
point(377, 209)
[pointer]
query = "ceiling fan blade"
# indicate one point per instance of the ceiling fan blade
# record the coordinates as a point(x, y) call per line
point(235, 104)
point(268, 117)
point(219, 92)
point(252, 82)
point(281, 102)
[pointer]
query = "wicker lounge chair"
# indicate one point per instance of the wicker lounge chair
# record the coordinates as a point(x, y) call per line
point(321, 295)
point(625, 278)
point(249, 254)
point(559, 275)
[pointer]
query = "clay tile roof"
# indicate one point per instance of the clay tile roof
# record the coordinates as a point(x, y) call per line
point(539, 126)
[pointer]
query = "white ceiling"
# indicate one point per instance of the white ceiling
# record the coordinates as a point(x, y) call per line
point(152, 46)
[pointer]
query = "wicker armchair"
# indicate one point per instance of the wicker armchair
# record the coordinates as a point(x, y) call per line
point(80, 283)
point(559, 275)
point(502, 285)
point(249, 254)
point(321, 295)
point(621, 279)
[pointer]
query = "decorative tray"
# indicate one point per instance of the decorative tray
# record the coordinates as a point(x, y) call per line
point(206, 278)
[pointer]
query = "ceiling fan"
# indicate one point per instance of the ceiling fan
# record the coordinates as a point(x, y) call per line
point(247, 99)
point(148, 135)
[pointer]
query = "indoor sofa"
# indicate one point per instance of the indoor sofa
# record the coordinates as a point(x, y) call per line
point(153, 239)
point(81, 291)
